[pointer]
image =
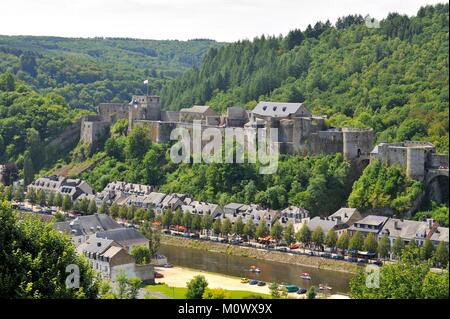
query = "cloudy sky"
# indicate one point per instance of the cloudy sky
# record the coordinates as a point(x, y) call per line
point(222, 20)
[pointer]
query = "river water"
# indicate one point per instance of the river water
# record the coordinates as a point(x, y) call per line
point(238, 266)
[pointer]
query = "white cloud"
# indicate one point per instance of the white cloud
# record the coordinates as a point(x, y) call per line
point(223, 20)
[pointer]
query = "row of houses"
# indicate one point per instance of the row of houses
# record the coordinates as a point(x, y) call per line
point(343, 220)
point(107, 246)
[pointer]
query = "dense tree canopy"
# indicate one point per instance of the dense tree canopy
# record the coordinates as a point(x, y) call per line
point(35, 258)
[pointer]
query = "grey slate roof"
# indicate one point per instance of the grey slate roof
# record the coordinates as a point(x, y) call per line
point(122, 235)
point(325, 224)
point(344, 213)
point(87, 225)
point(98, 245)
point(440, 234)
point(280, 109)
point(406, 229)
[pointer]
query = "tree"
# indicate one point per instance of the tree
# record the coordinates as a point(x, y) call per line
point(397, 247)
point(276, 231)
point(127, 288)
point(196, 287)
point(207, 222)
point(196, 223)
point(226, 227)
point(28, 169)
point(304, 235)
point(141, 255)
point(134, 284)
point(216, 293)
point(408, 278)
point(440, 256)
point(356, 242)
point(274, 290)
point(187, 219)
point(343, 241)
point(31, 195)
point(331, 239)
point(217, 226)
point(167, 218)
point(289, 233)
point(114, 210)
point(57, 200)
point(311, 293)
point(153, 237)
point(28, 270)
point(177, 218)
point(317, 237)
point(138, 143)
point(384, 247)
point(261, 230)
point(426, 252)
point(435, 285)
point(370, 243)
point(238, 227)
point(92, 208)
point(249, 229)
point(123, 212)
point(66, 203)
point(19, 195)
point(41, 197)
point(103, 208)
point(8, 193)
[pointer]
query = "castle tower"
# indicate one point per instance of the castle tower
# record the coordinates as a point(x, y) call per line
point(143, 107)
point(415, 162)
point(356, 142)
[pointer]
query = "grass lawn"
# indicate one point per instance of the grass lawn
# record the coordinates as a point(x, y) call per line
point(180, 293)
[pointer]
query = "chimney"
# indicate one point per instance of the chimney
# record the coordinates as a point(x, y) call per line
point(99, 244)
point(430, 222)
point(396, 224)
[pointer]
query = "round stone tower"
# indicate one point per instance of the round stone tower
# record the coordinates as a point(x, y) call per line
point(356, 142)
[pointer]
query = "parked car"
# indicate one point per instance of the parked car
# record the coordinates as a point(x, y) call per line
point(193, 236)
point(338, 257)
point(352, 259)
point(326, 255)
point(244, 281)
point(158, 275)
point(261, 283)
point(282, 249)
point(253, 282)
point(378, 263)
point(301, 291)
point(291, 288)
point(168, 265)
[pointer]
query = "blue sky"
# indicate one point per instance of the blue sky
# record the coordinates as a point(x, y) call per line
point(222, 20)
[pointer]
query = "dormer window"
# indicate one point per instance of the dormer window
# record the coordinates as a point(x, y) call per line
point(264, 107)
point(274, 108)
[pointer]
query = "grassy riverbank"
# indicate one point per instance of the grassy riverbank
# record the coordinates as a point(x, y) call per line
point(282, 257)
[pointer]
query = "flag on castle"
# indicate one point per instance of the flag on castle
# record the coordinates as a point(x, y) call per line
point(146, 82)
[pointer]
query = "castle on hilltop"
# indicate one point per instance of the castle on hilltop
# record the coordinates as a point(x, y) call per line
point(299, 131)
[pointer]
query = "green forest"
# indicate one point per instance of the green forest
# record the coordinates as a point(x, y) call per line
point(393, 78)
point(87, 72)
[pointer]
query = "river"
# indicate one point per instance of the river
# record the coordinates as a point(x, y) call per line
point(238, 266)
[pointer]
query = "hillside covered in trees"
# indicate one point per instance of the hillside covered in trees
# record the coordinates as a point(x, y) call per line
point(393, 78)
point(90, 71)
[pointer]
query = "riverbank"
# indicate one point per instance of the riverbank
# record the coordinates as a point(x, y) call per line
point(261, 254)
point(179, 276)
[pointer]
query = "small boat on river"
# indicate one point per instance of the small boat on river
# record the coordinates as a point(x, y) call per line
point(305, 276)
point(324, 287)
point(254, 269)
